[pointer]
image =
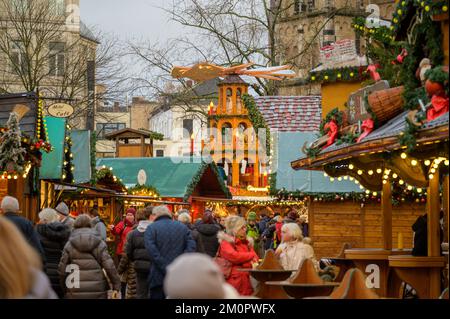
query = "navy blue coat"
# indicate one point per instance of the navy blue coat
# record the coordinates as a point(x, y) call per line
point(165, 240)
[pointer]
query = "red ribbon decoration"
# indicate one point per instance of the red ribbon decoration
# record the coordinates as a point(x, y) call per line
point(439, 106)
point(400, 57)
point(332, 132)
point(367, 127)
point(372, 69)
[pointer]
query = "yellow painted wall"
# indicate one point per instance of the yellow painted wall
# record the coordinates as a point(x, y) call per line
point(336, 94)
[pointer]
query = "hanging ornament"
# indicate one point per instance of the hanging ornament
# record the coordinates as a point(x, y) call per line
point(400, 57)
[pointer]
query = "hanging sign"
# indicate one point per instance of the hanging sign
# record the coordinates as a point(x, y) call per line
point(60, 110)
point(142, 177)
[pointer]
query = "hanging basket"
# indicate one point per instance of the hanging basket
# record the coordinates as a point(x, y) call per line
point(387, 103)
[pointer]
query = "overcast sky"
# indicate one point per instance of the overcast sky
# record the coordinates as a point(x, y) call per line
point(130, 19)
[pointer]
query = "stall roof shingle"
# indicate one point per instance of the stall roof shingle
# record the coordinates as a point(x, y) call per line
point(291, 113)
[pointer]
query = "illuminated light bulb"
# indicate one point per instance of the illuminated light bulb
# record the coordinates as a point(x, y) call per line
point(345, 177)
point(430, 176)
point(104, 166)
point(367, 191)
point(433, 170)
point(15, 176)
point(9, 177)
point(427, 162)
point(110, 168)
point(379, 170)
point(339, 178)
point(394, 175)
point(351, 166)
point(419, 190)
point(325, 174)
point(410, 187)
point(413, 162)
point(356, 181)
point(331, 179)
point(384, 181)
point(446, 162)
point(403, 155)
point(374, 193)
point(435, 165)
point(360, 172)
point(24, 176)
point(385, 177)
point(401, 182)
point(351, 178)
point(370, 172)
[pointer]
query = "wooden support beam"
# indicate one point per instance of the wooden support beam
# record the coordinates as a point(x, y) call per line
point(445, 205)
point(386, 218)
point(433, 208)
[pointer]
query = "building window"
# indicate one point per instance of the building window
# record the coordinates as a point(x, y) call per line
point(18, 57)
point(56, 59)
point(297, 4)
point(159, 153)
point(106, 128)
point(58, 7)
point(188, 128)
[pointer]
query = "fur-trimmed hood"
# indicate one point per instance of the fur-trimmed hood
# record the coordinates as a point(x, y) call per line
point(223, 236)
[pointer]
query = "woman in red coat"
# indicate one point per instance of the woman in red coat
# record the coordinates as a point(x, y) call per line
point(236, 248)
point(122, 229)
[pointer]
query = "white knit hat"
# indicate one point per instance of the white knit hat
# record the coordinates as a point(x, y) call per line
point(194, 276)
point(10, 205)
point(62, 209)
point(48, 215)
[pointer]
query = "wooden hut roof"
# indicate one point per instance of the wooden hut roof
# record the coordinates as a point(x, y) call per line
point(385, 138)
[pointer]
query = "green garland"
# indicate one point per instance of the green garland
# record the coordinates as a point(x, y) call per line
point(344, 74)
point(105, 177)
point(256, 118)
point(336, 115)
point(348, 138)
point(68, 166)
point(273, 184)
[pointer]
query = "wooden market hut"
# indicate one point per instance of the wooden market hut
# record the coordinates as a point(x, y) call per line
point(133, 143)
point(26, 190)
point(177, 179)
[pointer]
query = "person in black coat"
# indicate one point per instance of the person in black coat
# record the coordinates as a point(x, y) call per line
point(10, 209)
point(53, 236)
point(136, 252)
point(205, 235)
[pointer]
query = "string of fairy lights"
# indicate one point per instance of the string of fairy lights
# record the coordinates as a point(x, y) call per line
point(432, 164)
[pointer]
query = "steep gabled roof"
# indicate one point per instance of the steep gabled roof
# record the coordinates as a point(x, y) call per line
point(291, 113)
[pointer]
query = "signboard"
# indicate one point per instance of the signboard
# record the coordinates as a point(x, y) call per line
point(340, 51)
point(60, 110)
point(142, 177)
point(356, 106)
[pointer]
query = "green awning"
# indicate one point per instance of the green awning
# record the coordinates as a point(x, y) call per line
point(81, 150)
point(172, 176)
point(52, 163)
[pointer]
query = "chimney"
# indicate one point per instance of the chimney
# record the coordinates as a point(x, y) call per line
point(116, 107)
point(189, 83)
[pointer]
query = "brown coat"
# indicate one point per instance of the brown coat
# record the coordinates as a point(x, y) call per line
point(87, 251)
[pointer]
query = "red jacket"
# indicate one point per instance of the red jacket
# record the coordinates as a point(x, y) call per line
point(241, 255)
point(122, 229)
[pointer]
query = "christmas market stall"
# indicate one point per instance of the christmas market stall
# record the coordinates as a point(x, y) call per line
point(178, 180)
point(23, 140)
point(393, 139)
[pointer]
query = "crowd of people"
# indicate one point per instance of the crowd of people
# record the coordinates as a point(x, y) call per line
point(157, 255)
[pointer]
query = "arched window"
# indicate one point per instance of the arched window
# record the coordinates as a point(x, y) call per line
point(227, 133)
point(241, 129)
point(239, 107)
point(229, 104)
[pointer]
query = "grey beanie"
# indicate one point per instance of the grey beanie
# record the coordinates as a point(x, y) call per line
point(62, 209)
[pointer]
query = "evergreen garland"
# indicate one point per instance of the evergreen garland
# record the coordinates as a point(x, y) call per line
point(336, 115)
point(68, 167)
point(344, 74)
point(150, 190)
point(105, 177)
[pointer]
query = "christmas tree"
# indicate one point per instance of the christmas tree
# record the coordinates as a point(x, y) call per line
point(12, 154)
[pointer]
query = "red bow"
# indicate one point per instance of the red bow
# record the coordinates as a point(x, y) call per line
point(367, 127)
point(400, 57)
point(332, 132)
point(439, 106)
point(372, 69)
